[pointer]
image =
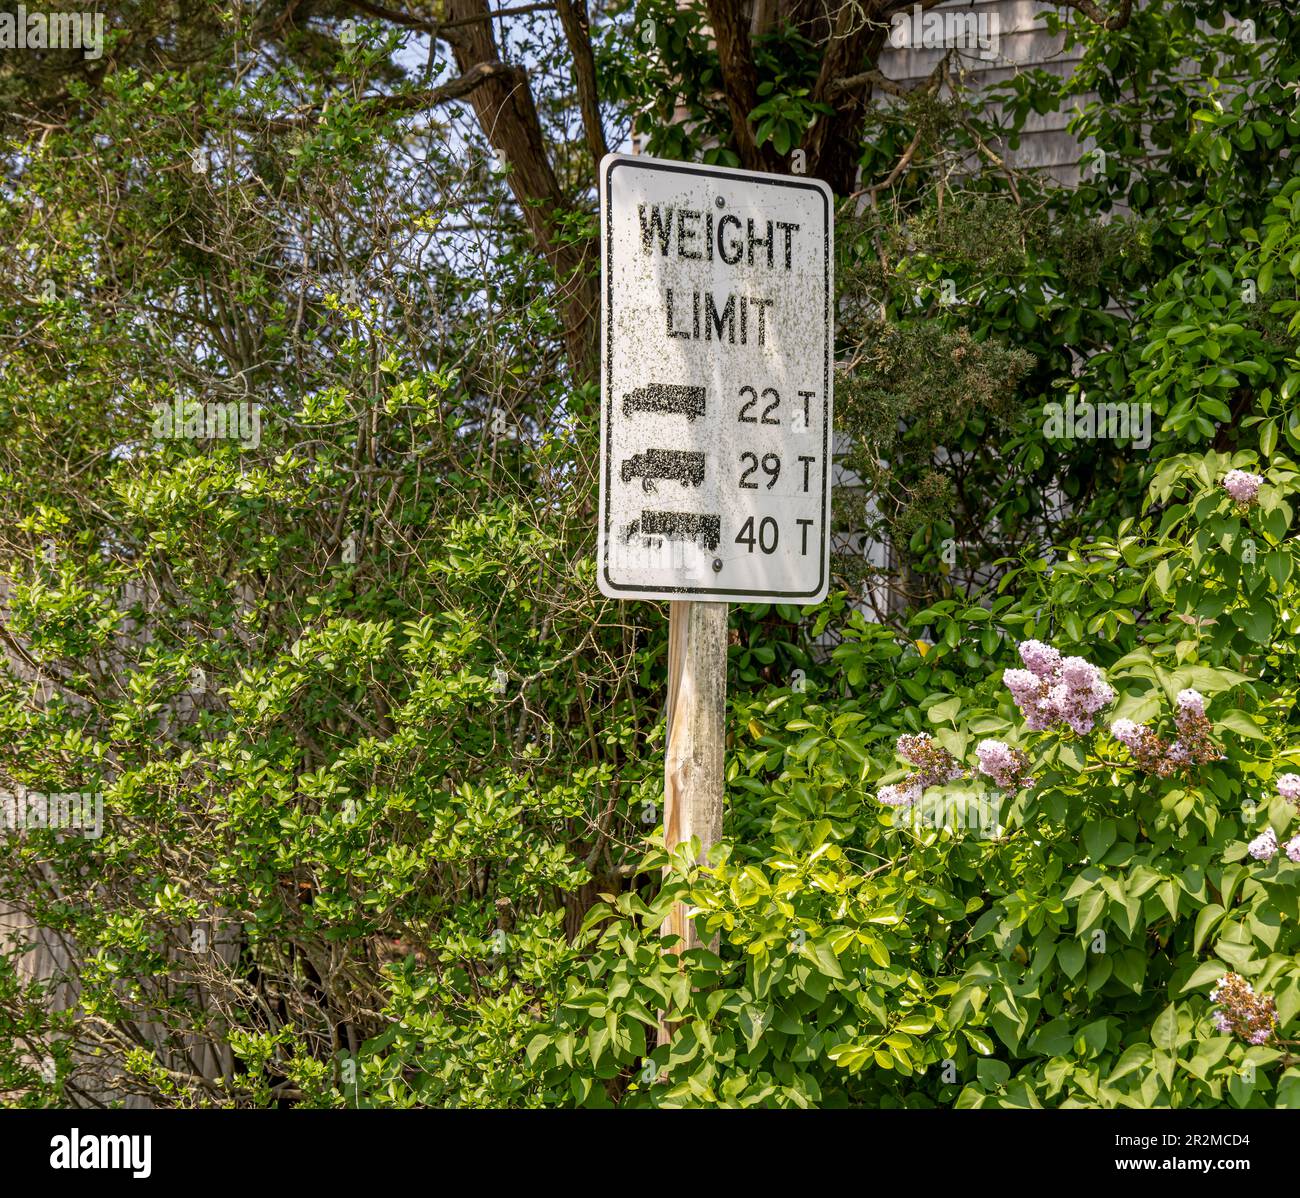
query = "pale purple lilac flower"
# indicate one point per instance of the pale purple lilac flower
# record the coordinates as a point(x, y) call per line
point(934, 763)
point(1128, 733)
point(1041, 660)
point(1288, 786)
point(1226, 985)
point(1264, 846)
point(1243, 1013)
point(1052, 692)
point(904, 794)
point(1154, 755)
point(1292, 849)
point(934, 766)
point(1242, 486)
point(1026, 690)
point(1194, 743)
point(1008, 767)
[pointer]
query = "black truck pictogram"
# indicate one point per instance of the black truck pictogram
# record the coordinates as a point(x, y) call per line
point(677, 526)
point(687, 468)
point(665, 397)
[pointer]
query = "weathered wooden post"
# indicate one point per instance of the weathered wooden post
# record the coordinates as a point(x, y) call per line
point(693, 752)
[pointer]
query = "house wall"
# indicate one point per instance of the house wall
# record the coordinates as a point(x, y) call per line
point(1023, 42)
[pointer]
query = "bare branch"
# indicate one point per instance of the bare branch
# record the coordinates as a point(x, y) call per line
point(436, 27)
point(873, 79)
point(508, 116)
point(573, 16)
point(416, 101)
point(1094, 12)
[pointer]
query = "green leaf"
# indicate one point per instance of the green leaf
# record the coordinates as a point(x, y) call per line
point(1092, 1039)
point(1239, 722)
point(943, 712)
point(1091, 907)
point(1052, 1039)
point(1207, 971)
point(1256, 622)
point(1288, 1090)
point(1204, 922)
point(1164, 1032)
point(1070, 954)
point(825, 958)
point(1098, 837)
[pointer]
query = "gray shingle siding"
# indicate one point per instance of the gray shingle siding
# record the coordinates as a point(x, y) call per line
point(1023, 42)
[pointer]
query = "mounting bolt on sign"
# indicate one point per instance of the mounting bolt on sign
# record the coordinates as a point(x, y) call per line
point(715, 470)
